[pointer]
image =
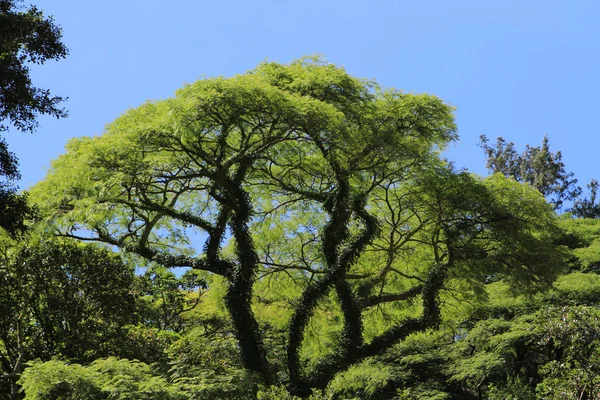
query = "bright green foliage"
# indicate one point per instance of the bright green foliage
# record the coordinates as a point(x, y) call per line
point(494, 350)
point(421, 392)
point(582, 235)
point(56, 380)
point(342, 257)
point(310, 188)
point(367, 380)
point(509, 345)
point(280, 393)
point(207, 384)
point(104, 379)
point(575, 289)
point(123, 379)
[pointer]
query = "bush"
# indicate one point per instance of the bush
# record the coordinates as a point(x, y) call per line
point(110, 378)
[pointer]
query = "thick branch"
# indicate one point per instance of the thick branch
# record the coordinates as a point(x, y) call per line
point(219, 267)
point(325, 371)
point(239, 293)
point(334, 234)
point(185, 217)
point(388, 298)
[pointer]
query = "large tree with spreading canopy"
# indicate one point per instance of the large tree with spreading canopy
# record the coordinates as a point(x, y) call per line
point(303, 179)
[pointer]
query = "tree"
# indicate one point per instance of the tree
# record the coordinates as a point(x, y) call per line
point(26, 36)
point(588, 207)
point(167, 297)
point(538, 166)
point(60, 298)
point(571, 334)
point(104, 379)
point(14, 208)
point(301, 175)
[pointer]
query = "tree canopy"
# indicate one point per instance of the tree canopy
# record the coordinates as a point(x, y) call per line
point(538, 166)
point(26, 36)
point(314, 192)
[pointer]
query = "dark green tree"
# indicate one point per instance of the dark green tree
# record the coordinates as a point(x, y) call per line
point(14, 209)
point(571, 335)
point(538, 166)
point(26, 36)
point(59, 298)
point(165, 297)
point(588, 207)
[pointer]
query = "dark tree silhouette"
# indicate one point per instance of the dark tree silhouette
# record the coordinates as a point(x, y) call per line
point(26, 36)
point(537, 166)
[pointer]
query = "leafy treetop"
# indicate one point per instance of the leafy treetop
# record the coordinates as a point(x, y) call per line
point(538, 166)
point(349, 177)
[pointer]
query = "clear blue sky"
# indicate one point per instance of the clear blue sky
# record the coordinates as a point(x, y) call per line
point(517, 69)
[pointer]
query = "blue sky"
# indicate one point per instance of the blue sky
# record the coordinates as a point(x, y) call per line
point(517, 69)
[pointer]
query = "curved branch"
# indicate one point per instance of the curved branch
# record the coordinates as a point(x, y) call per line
point(388, 298)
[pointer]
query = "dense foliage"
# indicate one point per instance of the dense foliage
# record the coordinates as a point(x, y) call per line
point(293, 232)
point(26, 36)
point(538, 166)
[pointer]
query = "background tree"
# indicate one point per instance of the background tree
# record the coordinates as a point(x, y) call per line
point(166, 297)
point(538, 166)
point(63, 299)
point(588, 207)
point(571, 336)
point(26, 36)
point(14, 209)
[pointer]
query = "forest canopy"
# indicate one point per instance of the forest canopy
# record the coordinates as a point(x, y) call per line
point(291, 232)
point(331, 251)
